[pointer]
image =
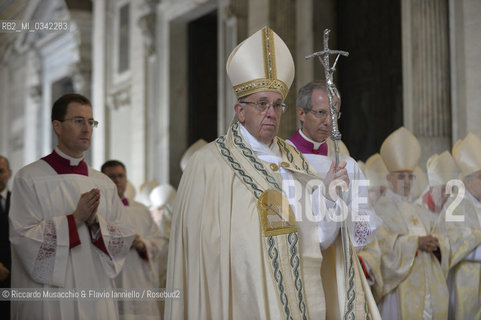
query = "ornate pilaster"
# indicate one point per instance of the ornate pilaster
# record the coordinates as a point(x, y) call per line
point(282, 19)
point(427, 107)
point(147, 23)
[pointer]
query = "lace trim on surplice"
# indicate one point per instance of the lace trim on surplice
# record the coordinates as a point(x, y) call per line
point(45, 261)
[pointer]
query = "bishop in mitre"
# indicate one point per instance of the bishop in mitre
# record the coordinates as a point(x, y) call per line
point(414, 258)
point(242, 245)
point(460, 222)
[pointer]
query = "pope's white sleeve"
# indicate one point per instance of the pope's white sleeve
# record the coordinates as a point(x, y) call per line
point(327, 227)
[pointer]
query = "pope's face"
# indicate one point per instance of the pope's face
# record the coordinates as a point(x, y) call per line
point(317, 122)
point(262, 125)
point(401, 182)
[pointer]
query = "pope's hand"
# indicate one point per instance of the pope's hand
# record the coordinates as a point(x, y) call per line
point(339, 173)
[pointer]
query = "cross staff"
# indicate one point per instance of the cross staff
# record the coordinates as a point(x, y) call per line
point(336, 136)
point(332, 90)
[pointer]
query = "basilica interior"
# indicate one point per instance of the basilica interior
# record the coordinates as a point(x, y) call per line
point(155, 72)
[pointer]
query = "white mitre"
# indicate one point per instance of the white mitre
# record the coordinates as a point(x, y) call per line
point(262, 62)
point(190, 152)
point(376, 171)
point(145, 190)
point(401, 151)
point(441, 168)
point(362, 165)
point(467, 153)
point(162, 195)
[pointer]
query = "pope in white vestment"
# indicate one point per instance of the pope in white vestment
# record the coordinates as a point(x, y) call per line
point(241, 246)
point(49, 252)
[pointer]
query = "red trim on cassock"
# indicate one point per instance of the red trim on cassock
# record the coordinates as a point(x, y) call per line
point(144, 255)
point(428, 200)
point(74, 239)
point(364, 268)
point(437, 254)
point(99, 243)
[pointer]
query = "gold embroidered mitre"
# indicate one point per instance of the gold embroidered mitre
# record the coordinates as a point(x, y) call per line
point(376, 171)
point(441, 168)
point(262, 62)
point(401, 150)
point(467, 154)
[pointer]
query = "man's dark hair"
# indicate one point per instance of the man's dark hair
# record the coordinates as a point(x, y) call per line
point(59, 108)
point(111, 164)
point(304, 95)
point(6, 160)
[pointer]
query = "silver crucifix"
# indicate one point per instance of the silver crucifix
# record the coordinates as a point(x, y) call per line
point(332, 90)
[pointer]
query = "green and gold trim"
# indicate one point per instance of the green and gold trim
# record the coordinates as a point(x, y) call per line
point(280, 242)
point(269, 52)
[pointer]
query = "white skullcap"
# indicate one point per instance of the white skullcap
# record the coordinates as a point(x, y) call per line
point(441, 168)
point(401, 150)
point(162, 195)
point(262, 62)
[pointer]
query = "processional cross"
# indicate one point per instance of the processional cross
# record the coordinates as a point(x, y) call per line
point(335, 135)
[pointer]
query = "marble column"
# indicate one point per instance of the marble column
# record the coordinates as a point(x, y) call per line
point(426, 74)
point(282, 19)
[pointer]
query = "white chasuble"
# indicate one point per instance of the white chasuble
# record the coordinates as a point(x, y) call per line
point(414, 281)
point(227, 260)
point(464, 235)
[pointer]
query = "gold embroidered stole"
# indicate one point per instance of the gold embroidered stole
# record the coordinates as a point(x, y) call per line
point(280, 230)
point(278, 224)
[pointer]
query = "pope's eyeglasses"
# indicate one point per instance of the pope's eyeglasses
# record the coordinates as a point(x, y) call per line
point(263, 106)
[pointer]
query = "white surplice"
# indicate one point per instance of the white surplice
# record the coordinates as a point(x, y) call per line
point(39, 233)
point(137, 271)
point(356, 198)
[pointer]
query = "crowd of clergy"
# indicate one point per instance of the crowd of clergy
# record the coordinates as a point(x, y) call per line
point(415, 254)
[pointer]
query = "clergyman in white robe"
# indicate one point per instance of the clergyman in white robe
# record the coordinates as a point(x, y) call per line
point(49, 252)
point(141, 269)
